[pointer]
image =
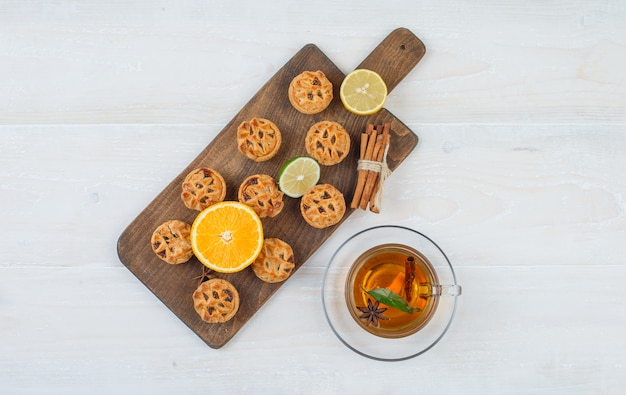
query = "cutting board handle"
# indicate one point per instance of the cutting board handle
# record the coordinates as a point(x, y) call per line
point(395, 56)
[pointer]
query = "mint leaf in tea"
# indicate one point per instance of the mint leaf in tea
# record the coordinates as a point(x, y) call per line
point(392, 299)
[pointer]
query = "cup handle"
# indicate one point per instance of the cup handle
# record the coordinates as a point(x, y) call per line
point(447, 290)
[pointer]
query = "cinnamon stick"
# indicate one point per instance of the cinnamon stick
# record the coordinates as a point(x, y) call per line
point(373, 207)
point(377, 185)
point(372, 175)
point(367, 148)
point(409, 277)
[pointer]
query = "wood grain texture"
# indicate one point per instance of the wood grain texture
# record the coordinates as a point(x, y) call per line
point(173, 284)
point(399, 51)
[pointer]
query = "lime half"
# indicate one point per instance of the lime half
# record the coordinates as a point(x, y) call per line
point(298, 175)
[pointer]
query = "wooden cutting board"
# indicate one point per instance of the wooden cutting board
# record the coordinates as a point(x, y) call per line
point(393, 58)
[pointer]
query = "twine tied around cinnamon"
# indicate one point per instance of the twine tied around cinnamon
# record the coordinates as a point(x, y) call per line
point(372, 167)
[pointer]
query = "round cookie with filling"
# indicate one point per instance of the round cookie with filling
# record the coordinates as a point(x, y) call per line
point(322, 206)
point(275, 262)
point(261, 192)
point(327, 142)
point(170, 242)
point(258, 139)
point(310, 92)
point(203, 187)
point(216, 300)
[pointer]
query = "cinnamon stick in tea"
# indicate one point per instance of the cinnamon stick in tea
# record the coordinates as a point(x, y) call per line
point(409, 277)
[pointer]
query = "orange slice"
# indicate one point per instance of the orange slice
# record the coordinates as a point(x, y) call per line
point(227, 236)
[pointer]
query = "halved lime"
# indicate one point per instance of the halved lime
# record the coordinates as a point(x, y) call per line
point(298, 175)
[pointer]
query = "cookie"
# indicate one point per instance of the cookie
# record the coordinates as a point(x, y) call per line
point(216, 300)
point(261, 192)
point(327, 142)
point(258, 139)
point(310, 92)
point(275, 261)
point(203, 187)
point(170, 242)
point(322, 206)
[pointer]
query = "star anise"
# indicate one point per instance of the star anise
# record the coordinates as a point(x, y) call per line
point(372, 313)
point(204, 276)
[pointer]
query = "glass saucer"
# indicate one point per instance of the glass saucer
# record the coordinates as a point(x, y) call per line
point(349, 332)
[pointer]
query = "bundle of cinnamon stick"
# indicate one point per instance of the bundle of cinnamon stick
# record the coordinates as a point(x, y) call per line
point(372, 167)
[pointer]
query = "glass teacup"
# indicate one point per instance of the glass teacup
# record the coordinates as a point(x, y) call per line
point(373, 260)
point(407, 273)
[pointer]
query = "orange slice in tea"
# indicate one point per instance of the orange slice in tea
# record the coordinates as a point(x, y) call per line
point(227, 237)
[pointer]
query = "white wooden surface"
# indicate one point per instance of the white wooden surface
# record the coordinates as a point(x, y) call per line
point(519, 175)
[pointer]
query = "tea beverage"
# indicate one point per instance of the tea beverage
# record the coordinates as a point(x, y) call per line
point(385, 266)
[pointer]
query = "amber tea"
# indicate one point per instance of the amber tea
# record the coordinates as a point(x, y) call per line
point(400, 269)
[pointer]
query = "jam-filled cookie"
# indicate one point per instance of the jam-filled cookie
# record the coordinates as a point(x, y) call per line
point(322, 206)
point(310, 92)
point(170, 242)
point(258, 139)
point(327, 142)
point(275, 261)
point(216, 300)
point(261, 192)
point(203, 187)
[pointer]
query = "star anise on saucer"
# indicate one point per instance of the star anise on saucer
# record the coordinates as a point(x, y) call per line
point(372, 313)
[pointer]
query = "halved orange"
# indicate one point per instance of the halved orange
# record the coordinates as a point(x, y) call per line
point(227, 236)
